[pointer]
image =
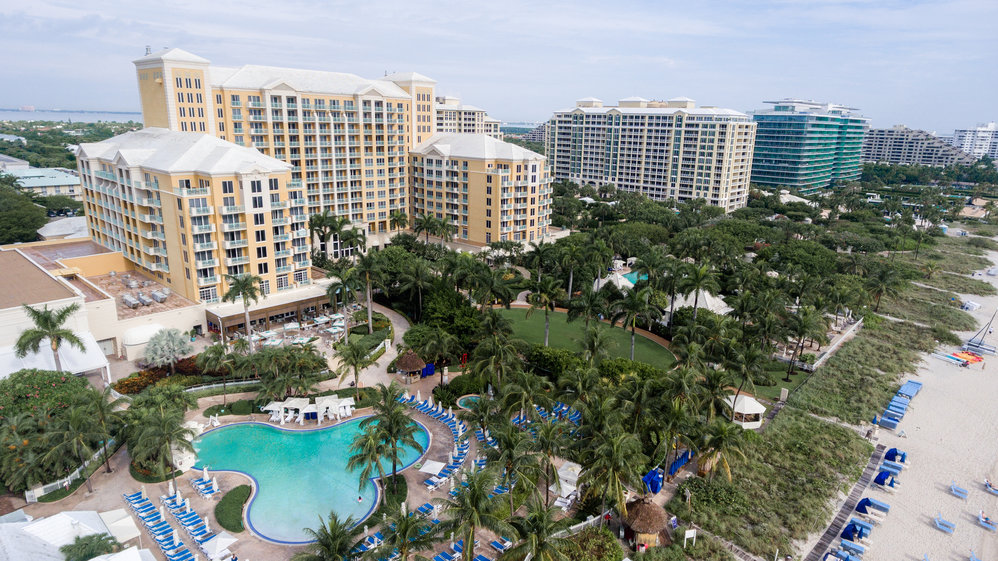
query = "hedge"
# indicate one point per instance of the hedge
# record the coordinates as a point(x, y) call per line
point(229, 510)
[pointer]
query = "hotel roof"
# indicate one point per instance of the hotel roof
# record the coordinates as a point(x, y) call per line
point(42, 177)
point(716, 111)
point(473, 146)
point(174, 55)
point(254, 77)
point(25, 282)
point(181, 152)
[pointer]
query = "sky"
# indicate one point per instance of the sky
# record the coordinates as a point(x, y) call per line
point(924, 64)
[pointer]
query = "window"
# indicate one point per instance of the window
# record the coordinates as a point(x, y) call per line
point(261, 253)
point(261, 235)
point(227, 187)
point(256, 186)
point(257, 202)
point(258, 219)
point(209, 294)
point(273, 184)
point(262, 269)
point(282, 282)
point(218, 101)
point(265, 287)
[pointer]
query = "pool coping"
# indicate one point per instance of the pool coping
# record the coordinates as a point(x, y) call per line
point(255, 484)
point(458, 400)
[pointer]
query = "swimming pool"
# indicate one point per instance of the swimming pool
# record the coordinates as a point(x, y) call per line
point(300, 475)
point(634, 277)
point(468, 400)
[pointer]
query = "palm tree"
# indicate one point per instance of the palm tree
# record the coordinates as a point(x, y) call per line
point(216, 358)
point(517, 458)
point(545, 296)
point(612, 464)
point(444, 230)
point(549, 442)
point(475, 507)
point(491, 285)
point(636, 304)
point(653, 265)
point(714, 389)
point(537, 533)
point(416, 277)
point(805, 323)
point(590, 305)
point(639, 391)
point(406, 533)
point(540, 253)
point(333, 540)
point(368, 267)
point(398, 220)
point(48, 324)
point(367, 451)
point(745, 365)
point(597, 344)
point(72, 435)
point(721, 440)
point(354, 239)
point(354, 357)
point(576, 386)
point(394, 427)
point(571, 256)
point(246, 288)
point(438, 348)
point(884, 281)
point(102, 408)
point(159, 432)
point(344, 286)
point(674, 424)
point(87, 547)
point(698, 279)
point(425, 223)
point(318, 225)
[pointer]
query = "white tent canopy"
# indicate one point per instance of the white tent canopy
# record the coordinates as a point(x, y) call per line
point(120, 524)
point(432, 466)
point(707, 301)
point(273, 406)
point(747, 411)
point(296, 403)
point(131, 554)
point(72, 359)
point(616, 279)
point(218, 546)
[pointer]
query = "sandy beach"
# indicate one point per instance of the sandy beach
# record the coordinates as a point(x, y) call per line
point(950, 436)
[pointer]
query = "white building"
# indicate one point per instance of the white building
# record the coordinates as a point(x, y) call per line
point(8, 163)
point(901, 145)
point(453, 116)
point(46, 182)
point(663, 149)
point(981, 140)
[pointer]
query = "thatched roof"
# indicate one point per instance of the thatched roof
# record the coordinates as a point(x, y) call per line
point(410, 362)
point(646, 517)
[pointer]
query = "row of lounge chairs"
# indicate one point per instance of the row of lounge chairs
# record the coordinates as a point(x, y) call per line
point(961, 493)
point(456, 552)
point(163, 533)
point(206, 488)
point(898, 406)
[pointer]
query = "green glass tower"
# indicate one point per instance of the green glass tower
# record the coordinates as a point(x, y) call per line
point(806, 145)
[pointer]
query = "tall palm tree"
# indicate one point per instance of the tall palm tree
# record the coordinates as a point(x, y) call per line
point(334, 539)
point(720, 441)
point(578, 385)
point(367, 450)
point(698, 279)
point(444, 229)
point(72, 435)
point(439, 348)
point(368, 267)
point(475, 507)
point(653, 265)
point(416, 277)
point(246, 288)
point(745, 365)
point(537, 533)
point(714, 390)
point(406, 533)
point(48, 324)
point(597, 344)
point(491, 285)
point(635, 305)
point(540, 254)
point(159, 432)
point(425, 223)
point(354, 240)
point(106, 419)
point(344, 287)
point(545, 296)
point(805, 323)
point(318, 225)
point(549, 442)
point(394, 427)
point(612, 464)
point(674, 426)
point(517, 458)
point(398, 220)
point(590, 305)
point(571, 257)
point(85, 548)
point(354, 357)
point(885, 281)
point(216, 358)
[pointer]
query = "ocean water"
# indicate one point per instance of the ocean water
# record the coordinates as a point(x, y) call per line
point(301, 475)
point(73, 116)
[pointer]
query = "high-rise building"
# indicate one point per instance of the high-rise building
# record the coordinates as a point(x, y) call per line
point(901, 145)
point(537, 134)
point(346, 138)
point(452, 117)
point(981, 140)
point(663, 149)
point(189, 208)
point(806, 145)
point(489, 190)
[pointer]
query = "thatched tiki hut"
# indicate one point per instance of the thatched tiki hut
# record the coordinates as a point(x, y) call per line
point(644, 523)
point(410, 363)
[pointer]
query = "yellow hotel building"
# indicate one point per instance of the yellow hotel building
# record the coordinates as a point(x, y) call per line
point(489, 189)
point(189, 208)
point(345, 138)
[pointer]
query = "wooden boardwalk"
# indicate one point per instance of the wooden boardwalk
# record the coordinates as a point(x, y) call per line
point(838, 523)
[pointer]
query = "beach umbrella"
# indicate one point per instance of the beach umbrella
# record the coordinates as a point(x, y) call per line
point(366, 531)
point(176, 536)
point(214, 484)
point(418, 397)
point(451, 480)
point(405, 395)
point(429, 400)
point(206, 523)
point(162, 513)
point(450, 411)
point(452, 540)
point(142, 491)
point(204, 473)
point(169, 487)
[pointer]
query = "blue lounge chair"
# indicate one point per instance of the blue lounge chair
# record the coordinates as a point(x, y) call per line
point(943, 524)
point(501, 546)
point(425, 509)
point(973, 557)
point(481, 557)
point(853, 548)
point(990, 488)
point(989, 526)
point(846, 556)
point(958, 491)
point(894, 465)
point(891, 469)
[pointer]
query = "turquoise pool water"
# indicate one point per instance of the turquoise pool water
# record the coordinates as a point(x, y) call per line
point(468, 400)
point(634, 277)
point(300, 475)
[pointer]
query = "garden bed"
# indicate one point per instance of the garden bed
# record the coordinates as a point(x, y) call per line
point(229, 510)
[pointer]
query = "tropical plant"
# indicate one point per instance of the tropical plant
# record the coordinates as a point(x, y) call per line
point(158, 432)
point(245, 288)
point(549, 442)
point(540, 254)
point(805, 323)
point(216, 358)
point(73, 434)
point(538, 535)
point(398, 220)
point(545, 296)
point(332, 540)
point(597, 344)
point(635, 305)
point(406, 533)
point(394, 427)
point(416, 277)
point(107, 420)
point(438, 348)
point(354, 356)
point(590, 305)
point(721, 440)
point(426, 224)
point(48, 325)
point(474, 507)
point(368, 268)
point(612, 464)
point(167, 347)
point(85, 548)
point(697, 280)
point(571, 257)
point(885, 280)
point(366, 453)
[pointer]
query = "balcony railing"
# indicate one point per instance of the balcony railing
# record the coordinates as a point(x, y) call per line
point(207, 281)
point(233, 244)
point(233, 226)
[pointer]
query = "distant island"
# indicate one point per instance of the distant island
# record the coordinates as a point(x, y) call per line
point(35, 110)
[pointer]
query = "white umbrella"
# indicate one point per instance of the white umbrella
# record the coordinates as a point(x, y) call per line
point(142, 491)
point(429, 400)
point(176, 537)
point(169, 487)
point(405, 395)
point(455, 450)
point(204, 473)
point(450, 411)
point(162, 513)
point(214, 484)
point(451, 480)
point(418, 397)
point(206, 523)
point(218, 544)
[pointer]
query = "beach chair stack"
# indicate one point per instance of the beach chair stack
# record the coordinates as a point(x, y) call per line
point(872, 510)
point(457, 428)
point(898, 406)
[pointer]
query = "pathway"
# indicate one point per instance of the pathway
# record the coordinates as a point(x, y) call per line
point(835, 528)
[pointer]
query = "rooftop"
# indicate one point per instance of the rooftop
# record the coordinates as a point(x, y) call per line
point(173, 55)
point(116, 286)
point(181, 152)
point(473, 146)
point(25, 282)
point(47, 255)
point(42, 177)
point(72, 227)
point(716, 111)
point(255, 77)
point(11, 160)
point(409, 77)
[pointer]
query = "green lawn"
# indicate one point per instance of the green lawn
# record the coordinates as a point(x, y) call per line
point(569, 336)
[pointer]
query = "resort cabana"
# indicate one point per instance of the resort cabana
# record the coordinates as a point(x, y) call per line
point(568, 479)
point(616, 279)
point(276, 409)
point(747, 412)
point(293, 405)
point(332, 406)
point(410, 363)
point(644, 523)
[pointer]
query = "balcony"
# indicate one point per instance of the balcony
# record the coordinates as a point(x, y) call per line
point(284, 269)
point(301, 249)
point(152, 235)
point(155, 203)
point(283, 253)
point(282, 237)
point(206, 246)
point(235, 209)
point(232, 261)
point(200, 192)
point(206, 263)
point(161, 251)
point(201, 210)
point(297, 201)
point(278, 204)
point(233, 226)
point(233, 244)
point(303, 233)
point(202, 228)
point(159, 267)
point(280, 221)
point(294, 184)
point(303, 264)
point(151, 218)
point(207, 281)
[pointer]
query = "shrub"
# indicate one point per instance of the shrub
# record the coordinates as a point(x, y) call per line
point(27, 391)
point(185, 381)
point(461, 385)
point(596, 544)
point(229, 510)
point(552, 361)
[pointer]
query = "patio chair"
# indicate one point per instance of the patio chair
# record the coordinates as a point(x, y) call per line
point(943, 524)
point(986, 524)
point(958, 491)
point(990, 488)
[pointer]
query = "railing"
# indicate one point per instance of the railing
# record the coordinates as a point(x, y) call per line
point(587, 523)
point(32, 495)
